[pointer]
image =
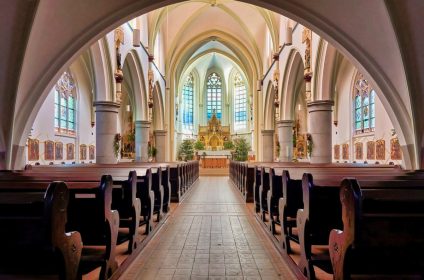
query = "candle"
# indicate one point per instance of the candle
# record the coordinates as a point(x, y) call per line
point(287, 151)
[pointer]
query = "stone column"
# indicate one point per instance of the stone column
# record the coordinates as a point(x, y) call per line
point(160, 144)
point(319, 124)
point(267, 145)
point(106, 129)
point(141, 140)
point(285, 138)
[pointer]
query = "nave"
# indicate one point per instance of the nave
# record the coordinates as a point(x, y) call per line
point(211, 235)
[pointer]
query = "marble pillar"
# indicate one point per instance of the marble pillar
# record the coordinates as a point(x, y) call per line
point(267, 145)
point(285, 138)
point(160, 144)
point(106, 129)
point(141, 140)
point(319, 124)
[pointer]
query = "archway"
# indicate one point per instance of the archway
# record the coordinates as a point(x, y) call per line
point(333, 22)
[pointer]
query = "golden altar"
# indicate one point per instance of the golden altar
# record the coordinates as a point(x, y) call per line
point(214, 134)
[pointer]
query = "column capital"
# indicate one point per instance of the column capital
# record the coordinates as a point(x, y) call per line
point(285, 123)
point(320, 105)
point(160, 132)
point(267, 132)
point(106, 106)
point(143, 124)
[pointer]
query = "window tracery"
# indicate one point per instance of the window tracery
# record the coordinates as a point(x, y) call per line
point(364, 106)
point(188, 103)
point(240, 102)
point(64, 105)
point(214, 91)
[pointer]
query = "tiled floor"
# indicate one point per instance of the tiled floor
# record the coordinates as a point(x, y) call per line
point(212, 235)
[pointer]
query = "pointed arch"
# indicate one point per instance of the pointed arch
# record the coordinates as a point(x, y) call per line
point(158, 108)
point(133, 74)
point(294, 72)
point(269, 109)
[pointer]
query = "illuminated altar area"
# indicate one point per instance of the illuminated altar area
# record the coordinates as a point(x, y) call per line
point(214, 134)
point(213, 137)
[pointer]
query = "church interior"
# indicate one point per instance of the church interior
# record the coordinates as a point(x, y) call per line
point(211, 139)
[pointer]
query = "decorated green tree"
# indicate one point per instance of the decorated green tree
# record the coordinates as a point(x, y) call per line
point(228, 145)
point(241, 149)
point(186, 150)
point(198, 145)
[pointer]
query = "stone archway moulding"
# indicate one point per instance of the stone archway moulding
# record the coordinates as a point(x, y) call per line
point(86, 22)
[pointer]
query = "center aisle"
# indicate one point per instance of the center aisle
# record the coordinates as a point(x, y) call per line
point(211, 235)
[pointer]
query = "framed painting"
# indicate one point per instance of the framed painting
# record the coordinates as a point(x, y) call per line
point(70, 151)
point(49, 150)
point(58, 151)
point(345, 151)
point(33, 149)
point(83, 152)
point(371, 150)
point(91, 152)
point(336, 151)
point(359, 150)
point(380, 149)
point(395, 151)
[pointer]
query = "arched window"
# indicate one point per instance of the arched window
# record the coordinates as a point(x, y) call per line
point(188, 103)
point(64, 105)
point(364, 106)
point(214, 88)
point(240, 102)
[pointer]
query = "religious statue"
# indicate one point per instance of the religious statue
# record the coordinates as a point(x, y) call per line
point(306, 39)
point(119, 75)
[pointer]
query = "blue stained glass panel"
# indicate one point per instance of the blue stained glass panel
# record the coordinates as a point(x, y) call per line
point(358, 125)
point(366, 124)
point(358, 115)
point(357, 102)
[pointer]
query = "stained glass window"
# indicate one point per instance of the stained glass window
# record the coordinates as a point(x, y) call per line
point(214, 88)
point(64, 105)
point(188, 104)
point(240, 102)
point(364, 106)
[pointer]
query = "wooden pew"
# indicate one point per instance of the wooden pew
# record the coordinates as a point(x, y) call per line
point(143, 185)
point(320, 214)
point(274, 194)
point(257, 185)
point(175, 181)
point(90, 213)
point(158, 190)
point(250, 181)
point(288, 206)
point(263, 192)
point(123, 194)
point(382, 234)
point(292, 199)
point(166, 171)
point(32, 228)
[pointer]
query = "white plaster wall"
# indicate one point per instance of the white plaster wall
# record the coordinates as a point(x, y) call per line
point(344, 132)
point(43, 130)
point(43, 127)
